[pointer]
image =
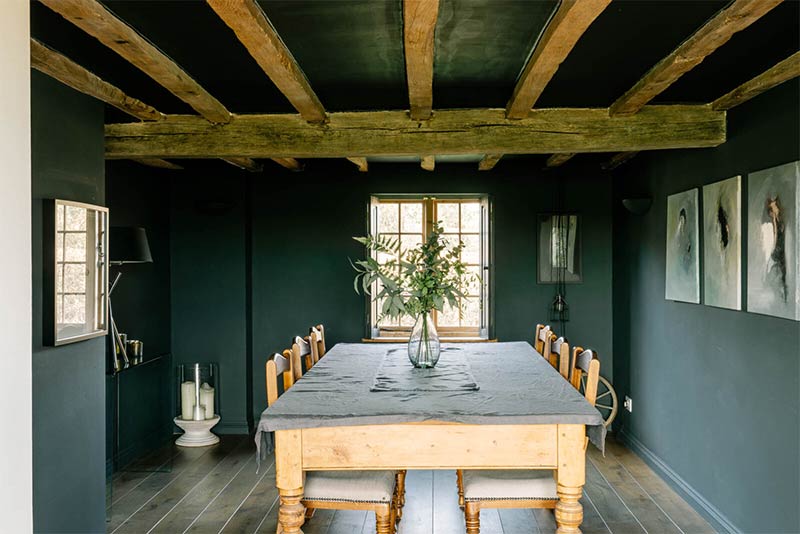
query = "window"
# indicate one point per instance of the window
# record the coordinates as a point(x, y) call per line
point(80, 271)
point(463, 218)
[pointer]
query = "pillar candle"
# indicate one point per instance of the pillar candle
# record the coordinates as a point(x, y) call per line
point(187, 400)
point(207, 398)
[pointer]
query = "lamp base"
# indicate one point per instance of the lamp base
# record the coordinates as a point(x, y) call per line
point(197, 433)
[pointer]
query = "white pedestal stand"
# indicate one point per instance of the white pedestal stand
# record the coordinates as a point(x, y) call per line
point(197, 433)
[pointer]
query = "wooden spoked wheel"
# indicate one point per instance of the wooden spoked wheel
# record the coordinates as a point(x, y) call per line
point(607, 403)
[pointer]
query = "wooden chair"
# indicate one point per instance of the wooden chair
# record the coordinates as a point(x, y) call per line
point(543, 333)
point(322, 346)
point(315, 338)
point(340, 490)
point(586, 368)
point(556, 351)
point(301, 347)
point(520, 488)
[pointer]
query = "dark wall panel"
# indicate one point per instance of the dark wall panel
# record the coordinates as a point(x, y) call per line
point(716, 391)
point(68, 381)
point(140, 400)
point(208, 287)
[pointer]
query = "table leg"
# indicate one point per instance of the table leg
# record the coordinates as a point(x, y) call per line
point(571, 476)
point(289, 479)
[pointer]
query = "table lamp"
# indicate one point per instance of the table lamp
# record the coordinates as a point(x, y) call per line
point(126, 245)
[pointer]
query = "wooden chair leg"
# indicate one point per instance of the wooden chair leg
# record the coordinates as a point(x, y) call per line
point(310, 513)
point(472, 517)
point(400, 489)
point(460, 483)
point(383, 520)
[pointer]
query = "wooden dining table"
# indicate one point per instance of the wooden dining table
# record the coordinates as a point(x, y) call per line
point(485, 406)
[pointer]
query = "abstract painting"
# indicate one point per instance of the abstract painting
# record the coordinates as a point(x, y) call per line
point(683, 261)
point(773, 265)
point(722, 244)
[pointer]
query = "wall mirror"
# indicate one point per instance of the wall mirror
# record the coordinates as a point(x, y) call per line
point(559, 254)
point(76, 282)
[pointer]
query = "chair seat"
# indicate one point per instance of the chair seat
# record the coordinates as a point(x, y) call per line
point(350, 486)
point(501, 485)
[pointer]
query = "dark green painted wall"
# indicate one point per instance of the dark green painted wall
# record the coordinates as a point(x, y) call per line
point(716, 392)
point(208, 287)
point(246, 249)
point(301, 239)
point(143, 396)
point(68, 381)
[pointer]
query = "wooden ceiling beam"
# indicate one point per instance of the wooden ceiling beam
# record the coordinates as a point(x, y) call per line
point(383, 133)
point(419, 26)
point(63, 69)
point(488, 161)
point(246, 164)
point(361, 163)
point(256, 33)
point(93, 18)
point(158, 163)
point(618, 159)
point(289, 163)
point(785, 70)
point(428, 162)
point(716, 32)
point(557, 160)
point(563, 31)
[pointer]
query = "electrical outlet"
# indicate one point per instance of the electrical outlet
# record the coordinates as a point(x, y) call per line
point(628, 404)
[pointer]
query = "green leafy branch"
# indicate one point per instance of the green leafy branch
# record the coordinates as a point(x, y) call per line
point(416, 280)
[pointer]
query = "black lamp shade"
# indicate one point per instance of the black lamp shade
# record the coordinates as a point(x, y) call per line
point(128, 244)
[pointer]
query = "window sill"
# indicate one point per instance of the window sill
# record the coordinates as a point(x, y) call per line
point(443, 340)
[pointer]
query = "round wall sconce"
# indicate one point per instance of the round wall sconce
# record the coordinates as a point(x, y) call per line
point(637, 206)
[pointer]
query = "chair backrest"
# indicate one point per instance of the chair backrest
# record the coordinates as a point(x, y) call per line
point(547, 344)
point(280, 365)
point(542, 334)
point(301, 348)
point(560, 356)
point(315, 338)
point(323, 348)
point(585, 367)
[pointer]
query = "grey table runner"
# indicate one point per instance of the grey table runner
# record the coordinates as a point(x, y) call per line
point(517, 386)
point(452, 373)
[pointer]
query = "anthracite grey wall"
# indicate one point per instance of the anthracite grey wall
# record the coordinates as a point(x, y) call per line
point(302, 228)
point(68, 381)
point(208, 287)
point(136, 196)
point(716, 391)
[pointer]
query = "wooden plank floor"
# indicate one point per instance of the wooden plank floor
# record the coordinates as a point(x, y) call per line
point(216, 489)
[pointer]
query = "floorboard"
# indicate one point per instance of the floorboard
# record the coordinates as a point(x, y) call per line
point(217, 489)
point(181, 490)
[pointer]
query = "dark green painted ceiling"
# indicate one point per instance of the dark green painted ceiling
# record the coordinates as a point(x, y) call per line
point(352, 51)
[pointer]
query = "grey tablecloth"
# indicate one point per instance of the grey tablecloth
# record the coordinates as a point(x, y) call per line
point(517, 386)
point(452, 373)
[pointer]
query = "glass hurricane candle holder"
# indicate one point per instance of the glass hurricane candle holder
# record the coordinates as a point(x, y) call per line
point(198, 401)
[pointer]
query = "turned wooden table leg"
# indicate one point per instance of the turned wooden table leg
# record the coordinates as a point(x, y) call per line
point(472, 517)
point(570, 477)
point(569, 511)
point(291, 514)
point(289, 479)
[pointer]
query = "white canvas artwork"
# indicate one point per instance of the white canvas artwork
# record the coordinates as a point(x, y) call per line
point(682, 261)
point(722, 244)
point(773, 239)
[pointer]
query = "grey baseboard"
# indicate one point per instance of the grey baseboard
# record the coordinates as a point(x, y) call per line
point(691, 495)
point(231, 427)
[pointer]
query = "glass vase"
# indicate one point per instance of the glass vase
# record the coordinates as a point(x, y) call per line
point(423, 345)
